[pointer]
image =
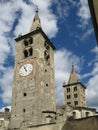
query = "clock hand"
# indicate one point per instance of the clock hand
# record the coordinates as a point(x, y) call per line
point(25, 68)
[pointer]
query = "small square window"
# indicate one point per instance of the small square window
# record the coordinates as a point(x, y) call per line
point(24, 110)
point(24, 94)
point(45, 70)
point(47, 85)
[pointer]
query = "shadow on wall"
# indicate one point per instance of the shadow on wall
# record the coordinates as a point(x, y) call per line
point(90, 123)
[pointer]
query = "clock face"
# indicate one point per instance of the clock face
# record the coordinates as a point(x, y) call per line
point(26, 69)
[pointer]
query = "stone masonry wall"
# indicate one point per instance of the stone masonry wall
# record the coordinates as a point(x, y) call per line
point(90, 123)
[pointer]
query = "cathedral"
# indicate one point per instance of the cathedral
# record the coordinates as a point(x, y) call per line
point(33, 92)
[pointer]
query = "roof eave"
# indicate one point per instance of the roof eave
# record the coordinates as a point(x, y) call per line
point(39, 30)
point(67, 85)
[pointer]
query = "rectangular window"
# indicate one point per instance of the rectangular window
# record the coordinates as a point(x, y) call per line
point(75, 88)
point(75, 103)
point(68, 89)
point(75, 95)
point(68, 96)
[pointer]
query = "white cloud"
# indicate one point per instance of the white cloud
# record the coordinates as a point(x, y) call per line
point(87, 34)
point(83, 13)
point(6, 85)
point(92, 83)
point(63, 64)
point(73, 2)
point(95, 50)
point(48, 19)
point(92, 90)
point(62, 8)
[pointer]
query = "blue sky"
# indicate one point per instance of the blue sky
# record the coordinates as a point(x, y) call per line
point(69, 26)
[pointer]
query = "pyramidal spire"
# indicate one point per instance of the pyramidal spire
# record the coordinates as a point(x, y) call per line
point(36, 21)
point(73, 76)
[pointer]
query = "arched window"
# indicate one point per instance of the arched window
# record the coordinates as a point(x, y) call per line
point(74, 115)
point(30, 52)
point(25, 43)
point(46, 55)
point(87, 114)
point(30, 40)
point(46, 45)
point(25, 53)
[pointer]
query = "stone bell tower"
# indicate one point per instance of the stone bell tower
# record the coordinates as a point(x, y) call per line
point(33, 96)
point(74, 91)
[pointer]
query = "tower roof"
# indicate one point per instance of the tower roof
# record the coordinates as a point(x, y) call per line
point(73, 76)
point(36, 22)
